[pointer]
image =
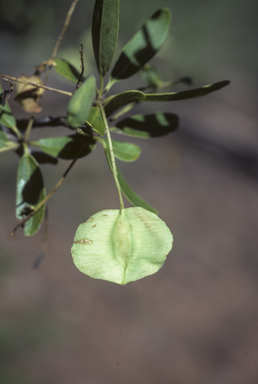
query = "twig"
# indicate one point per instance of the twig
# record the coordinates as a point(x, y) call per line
point(10, 78)
point(44, 242)
point(111, 152)
point(60, 38)
point(66, 23)
point(82, 67)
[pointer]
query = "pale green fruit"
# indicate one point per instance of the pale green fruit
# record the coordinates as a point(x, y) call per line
point(121, 245)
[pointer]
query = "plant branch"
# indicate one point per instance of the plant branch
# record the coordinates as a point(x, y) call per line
point(66, 23)
point(82, 67)
point(29, 128)
point(60, 38)
point(101, 87)
point(113, 163)
point(10, 78)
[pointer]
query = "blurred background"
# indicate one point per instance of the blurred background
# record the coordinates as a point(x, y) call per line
point(196, 320)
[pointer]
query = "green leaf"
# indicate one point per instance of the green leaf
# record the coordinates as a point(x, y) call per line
point(143, 46)
point(43, 158)
point(174, 96)
point(6, 117)
point(80, 103)
point(146, 126)
point(105, 25)
point(67, 147)
point(3, 139)
point(118, 101)
point(121, 245)
point(53, 145)
point(125, 151)
point(67, 70)
point(30, 192)
point(131, 196)
point(95, 121)
point(5, 143)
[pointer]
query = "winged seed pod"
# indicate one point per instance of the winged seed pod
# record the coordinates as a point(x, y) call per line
point(121, 245)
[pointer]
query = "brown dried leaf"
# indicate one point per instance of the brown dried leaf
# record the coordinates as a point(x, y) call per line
point(27, 95)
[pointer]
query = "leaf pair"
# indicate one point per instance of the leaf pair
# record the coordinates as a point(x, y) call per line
point(137, 52)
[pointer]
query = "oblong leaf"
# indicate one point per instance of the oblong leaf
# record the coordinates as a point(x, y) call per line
point(53, 145)
point(143, 46)
point(80, 103)
point(105, 25)
point(6, 144)
point(146, 126)
point(174, 96)
point(7, 119)
point(125, 151)
point(131, 196)
point(67, 147)
point(3, 139)
point(121, 245)
point(95, 121)
point(30, 192)
point(118, 101)
point(67, 70)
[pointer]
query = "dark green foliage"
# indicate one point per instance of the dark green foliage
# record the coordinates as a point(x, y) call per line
point(30, 192)
point(143, 46)
point(146, 126)
point(105, 25)
point(90, 111)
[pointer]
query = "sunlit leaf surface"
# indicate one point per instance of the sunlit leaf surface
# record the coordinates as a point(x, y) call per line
point(67, 70)
point(67, 147)
point(80, 103)
point(125, 151)
point(95, 121)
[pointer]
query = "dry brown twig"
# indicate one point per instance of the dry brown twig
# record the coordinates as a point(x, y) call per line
point(10, 78)
point(60, 38)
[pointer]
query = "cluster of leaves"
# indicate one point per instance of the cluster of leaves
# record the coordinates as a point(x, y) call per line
point(93, 115)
